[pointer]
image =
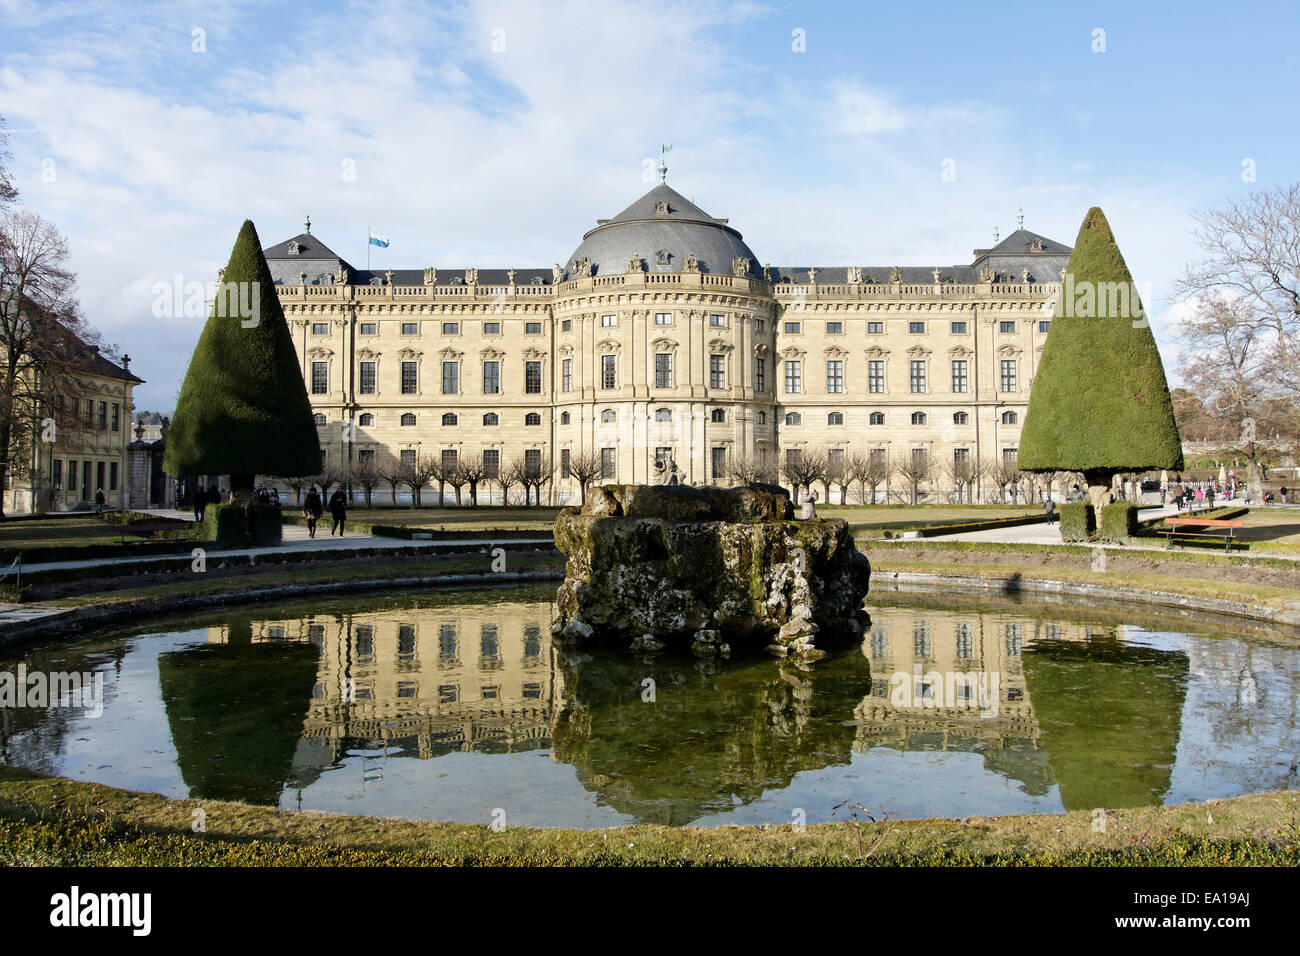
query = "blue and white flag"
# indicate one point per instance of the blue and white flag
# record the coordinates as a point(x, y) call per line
point(378, 241)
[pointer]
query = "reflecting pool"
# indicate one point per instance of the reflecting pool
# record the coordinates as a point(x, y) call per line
point(454, 706)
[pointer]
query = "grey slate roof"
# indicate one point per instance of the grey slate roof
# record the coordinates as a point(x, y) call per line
point(1020, 243)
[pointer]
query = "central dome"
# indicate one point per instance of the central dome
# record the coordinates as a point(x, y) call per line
point(662, 229)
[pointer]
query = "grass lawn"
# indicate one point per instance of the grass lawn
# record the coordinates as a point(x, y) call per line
point(53, 821)
point(869, 518)
point(451, 518)
point(1272, 529)
point(57, 533)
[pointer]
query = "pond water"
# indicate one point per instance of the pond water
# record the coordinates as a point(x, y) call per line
point(456, 706)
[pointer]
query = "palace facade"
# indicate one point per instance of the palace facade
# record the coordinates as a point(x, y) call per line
point(665, 335)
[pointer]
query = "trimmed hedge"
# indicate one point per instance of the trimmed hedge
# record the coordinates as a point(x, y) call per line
point(264, 526)
point(1078, 521)
point(1119, 524)
point(226, 526)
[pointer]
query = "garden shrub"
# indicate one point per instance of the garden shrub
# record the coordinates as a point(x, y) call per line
point(1119, 523)
point(264, 525)
point(1078, 521)
point(226, 526)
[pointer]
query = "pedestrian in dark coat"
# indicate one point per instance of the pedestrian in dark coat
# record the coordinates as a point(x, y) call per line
point(200, 503)
point(338, 511)
point(312, 510)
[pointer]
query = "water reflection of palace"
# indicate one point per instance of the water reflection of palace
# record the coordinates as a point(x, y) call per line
point(469, 677)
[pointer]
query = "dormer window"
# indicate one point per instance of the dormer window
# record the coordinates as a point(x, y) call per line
point(294, 248)
point(663, 256)
point(1036, 245)
point(536, 280)
point(661, 208)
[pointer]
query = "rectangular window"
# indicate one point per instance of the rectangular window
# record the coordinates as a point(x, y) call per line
point(491, 378)
point(834, 328)
point(608, 371)
point(367, 378)
point(1044, 326)
point(663, 318)
point(320, 377)
point(1006, 326)
point(117, 416)
point(90, 412)
point(960, 455)
point(410, 328)
point(1009, 456)
point(451, 328)
point(564, 463)
point(491, 462)
point(760, 375)
point(915, 328)
point(794, 377)
point(663, 370)
point(450, 378)
point(959, 380)
point(1008, 375)
point(792, 328)
point(99, 475)
point(717, 321)
point(566, 325)
point(878, 456)
point(320, 328)
point(719, 463)
point(491, 328)
point(408, 378)
point(920, 456)
point(366, 456)
point(959, 328)
point(918, 375)
point(532, 328)
point(407, 456)
point(566, 376)
point(609, 320)
point(112, 476)
point(876, 375)
point(449, 459)
point(835, 463)
point(875, 328)
point(103, 416)
point(835, 375)
point(759, 325)
point(533, 378)
point(533, 462)
point(608, 465)
point(793, 458)
point(717, 371)
point(368, 328)
point(56, 473)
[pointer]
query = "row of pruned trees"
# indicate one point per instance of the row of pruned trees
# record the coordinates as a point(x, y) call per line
point(464, 476)
point(907, 477)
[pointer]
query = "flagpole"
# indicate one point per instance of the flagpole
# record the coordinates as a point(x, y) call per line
point(367, 250)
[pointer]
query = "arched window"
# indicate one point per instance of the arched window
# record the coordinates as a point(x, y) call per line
point(367, 420)
point(718, 415)
point(762, 418)
point(607, 416)
point(877, 418)
point(564, 418)
point(408, 419)
point(491, 419)
point(960, 418)
point(663, 415)
point(835, 418)
point(793, 418)
point(449, 419)
point(918, 418)
point(532, 418)
point(1010, 418)
point(318, 419)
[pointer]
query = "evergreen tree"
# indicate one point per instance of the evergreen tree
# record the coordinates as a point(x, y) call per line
point(243, 408)
point(1100, 404)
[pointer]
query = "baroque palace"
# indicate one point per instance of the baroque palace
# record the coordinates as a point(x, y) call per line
point(665, 335)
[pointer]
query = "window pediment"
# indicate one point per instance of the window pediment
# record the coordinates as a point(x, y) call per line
point(449, 354)
point(367, 354)
point(319, 352)
point(960, 351)
point(791, 352)
point(918, 352)
point(876, 352)
point(490, 353)
point(409, 353)
point(609, 346)
point(664, 344)
point(834, 351)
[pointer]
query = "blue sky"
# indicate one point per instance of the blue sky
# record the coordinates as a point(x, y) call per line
point(495, 134)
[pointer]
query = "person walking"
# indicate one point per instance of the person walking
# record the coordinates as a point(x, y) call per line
point(100, 501)
point(1049, 506)
point(1283, 492)
point(1209, 497)
point(200, 503)
point(312, 510)
point(338, 511)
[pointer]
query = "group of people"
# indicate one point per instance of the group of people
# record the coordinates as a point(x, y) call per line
point(312, 509)
point(267, 496)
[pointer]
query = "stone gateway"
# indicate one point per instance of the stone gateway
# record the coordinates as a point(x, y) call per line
point(651, 565)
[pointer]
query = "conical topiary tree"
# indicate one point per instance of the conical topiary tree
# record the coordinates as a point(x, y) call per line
point(243, 408)
point(1100, 404)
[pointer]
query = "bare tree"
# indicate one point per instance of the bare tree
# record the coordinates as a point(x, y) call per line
point(454, 475)
point(870, 472)
point(393, 470)
point(584, 468)
point(759, 467)
point(1252, 258)
point(365, 473)
point(8, 191)
point(803, 468)
point(836, 474)
point(473, 472)
point(913, 470)
point(536, 476)
point(509, 474)
point(1005, 475)
point(962, 475)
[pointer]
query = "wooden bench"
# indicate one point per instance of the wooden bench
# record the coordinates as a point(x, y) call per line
point(1210, 528)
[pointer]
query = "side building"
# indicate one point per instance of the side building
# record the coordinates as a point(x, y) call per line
point(662, 337)
point(85, 407)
